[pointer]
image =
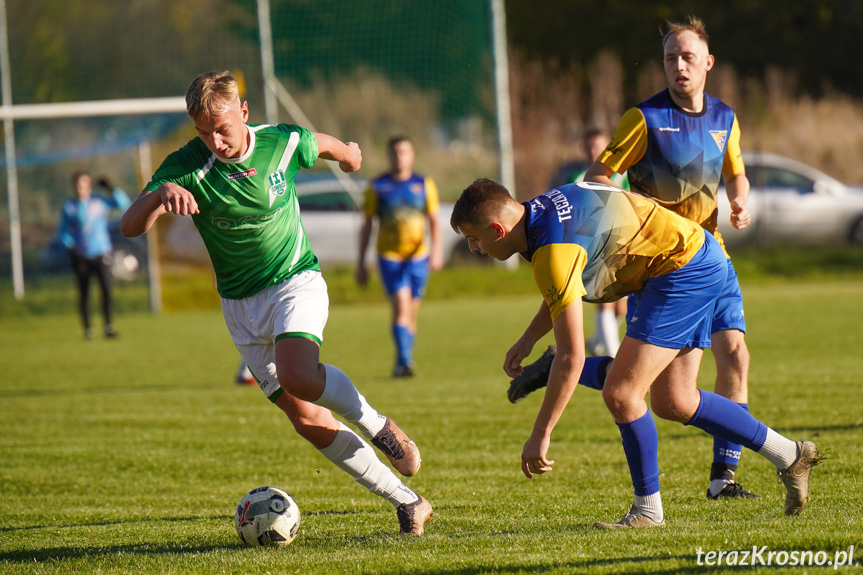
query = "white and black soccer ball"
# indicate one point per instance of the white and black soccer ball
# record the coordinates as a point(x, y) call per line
point(267, 516)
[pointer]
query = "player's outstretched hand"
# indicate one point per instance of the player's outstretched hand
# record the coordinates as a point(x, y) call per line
point(533, 456)
point(178, 200)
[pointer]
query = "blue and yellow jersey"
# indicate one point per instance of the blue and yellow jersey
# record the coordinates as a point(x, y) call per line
point(402, 208)
point(600, 243)
point(677, 157)
point(619, 180)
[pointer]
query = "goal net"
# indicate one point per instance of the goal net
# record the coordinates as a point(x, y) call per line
point(361, 71)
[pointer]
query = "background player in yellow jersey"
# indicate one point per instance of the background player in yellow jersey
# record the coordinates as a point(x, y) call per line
point(402, 201)
point(599, 243)
point(674, 147)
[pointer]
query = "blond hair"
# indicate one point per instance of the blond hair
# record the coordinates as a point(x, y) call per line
point(692, 24)
point(211, 94)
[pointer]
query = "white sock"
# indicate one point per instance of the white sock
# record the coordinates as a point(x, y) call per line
point(341, 397)
point(717, 485)
point(608, 330)
point(779, 450)
point(650, 506)
point(357, 458)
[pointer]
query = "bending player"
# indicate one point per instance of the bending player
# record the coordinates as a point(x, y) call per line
point(598, 243)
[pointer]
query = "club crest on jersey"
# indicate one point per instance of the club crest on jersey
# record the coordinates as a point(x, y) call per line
point(244, 174)
point(278, 185)
point(720, 137)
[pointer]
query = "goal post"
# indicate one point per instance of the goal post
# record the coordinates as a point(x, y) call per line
point(121, 107)
point(361, 71)
point(126, 107)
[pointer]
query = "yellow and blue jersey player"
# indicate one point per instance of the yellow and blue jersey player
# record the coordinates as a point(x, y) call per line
point(675, 147)
point(403, 202)
point(596, 242)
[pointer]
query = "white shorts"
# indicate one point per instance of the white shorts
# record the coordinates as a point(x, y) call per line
point(297, 307)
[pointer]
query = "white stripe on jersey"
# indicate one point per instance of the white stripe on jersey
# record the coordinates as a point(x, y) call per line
point(202, 173)
point(293, 142)
point(301, 233)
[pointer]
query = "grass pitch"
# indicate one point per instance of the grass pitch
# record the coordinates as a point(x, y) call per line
point(129, 456)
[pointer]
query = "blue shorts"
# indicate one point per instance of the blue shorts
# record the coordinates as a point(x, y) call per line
point(729, 306)
point(675, 310)
point(407, 273)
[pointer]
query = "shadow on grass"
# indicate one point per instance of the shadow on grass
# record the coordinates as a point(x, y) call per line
point(788, 431)
point(64, 553)
point(615, 564)
point(143, 549)
point(109, 523)
point(816, 429)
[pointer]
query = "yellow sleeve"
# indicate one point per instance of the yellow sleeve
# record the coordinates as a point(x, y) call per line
point(432, 196)
point(557, 271)
point(733, 163)
point(628, 144)
point(370, 205)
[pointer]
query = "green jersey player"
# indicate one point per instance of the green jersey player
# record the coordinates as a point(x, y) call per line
point(236, 181)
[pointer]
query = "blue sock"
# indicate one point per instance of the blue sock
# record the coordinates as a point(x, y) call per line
point(594, 371)
point(641, 445)
point(725, 452)
point(409, 350)
point(722, 418)
point(403, 339)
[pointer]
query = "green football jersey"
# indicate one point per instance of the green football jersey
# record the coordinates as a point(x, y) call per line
point(249, 214)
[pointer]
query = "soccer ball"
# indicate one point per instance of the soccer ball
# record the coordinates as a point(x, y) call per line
point(267, 516)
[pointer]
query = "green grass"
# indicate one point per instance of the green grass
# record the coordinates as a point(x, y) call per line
point(129, 456)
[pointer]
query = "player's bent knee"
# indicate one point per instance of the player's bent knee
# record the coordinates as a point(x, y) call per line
point(299, 382)
point(616, 400)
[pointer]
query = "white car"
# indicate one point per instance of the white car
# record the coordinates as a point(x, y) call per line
point(331, 217)
point(793, 203)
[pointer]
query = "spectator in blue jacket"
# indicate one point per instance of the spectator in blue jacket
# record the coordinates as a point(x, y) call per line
point(84, 232)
